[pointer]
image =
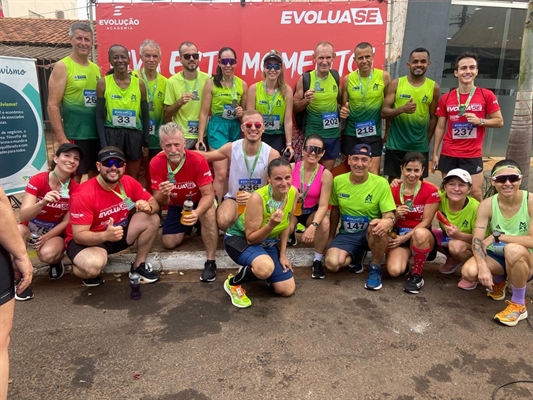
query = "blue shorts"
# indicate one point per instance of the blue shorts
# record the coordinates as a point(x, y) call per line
point(173, 224)
point(252, 252)
point(500, 259)
point(333, 148)
point(221, 131)
point(351, 243)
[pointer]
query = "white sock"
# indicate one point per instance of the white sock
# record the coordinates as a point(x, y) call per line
point(318, 256)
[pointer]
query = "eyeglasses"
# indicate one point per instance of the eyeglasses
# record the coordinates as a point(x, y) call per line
point(226, 61)
point(113, 163)
point(504, 178)
point(275, 67)
point(250, 125)
point(196, 56)
point(313, 149)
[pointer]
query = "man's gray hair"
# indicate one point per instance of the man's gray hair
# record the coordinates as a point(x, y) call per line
point(169, 129)
point(82, 26)
point(149, 42)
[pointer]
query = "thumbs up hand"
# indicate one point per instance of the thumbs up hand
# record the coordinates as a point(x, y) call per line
point(345, 111)
point(113, 233)
point(409, 107)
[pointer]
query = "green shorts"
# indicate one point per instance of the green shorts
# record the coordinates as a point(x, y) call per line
point(221, 131)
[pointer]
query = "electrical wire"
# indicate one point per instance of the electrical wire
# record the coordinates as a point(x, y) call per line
point(507, 384)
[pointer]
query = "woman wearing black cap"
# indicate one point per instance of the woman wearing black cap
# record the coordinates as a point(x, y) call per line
point(44, 210)
point(272, 97)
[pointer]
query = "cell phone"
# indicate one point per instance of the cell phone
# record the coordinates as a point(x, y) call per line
point(201, 147)
point(435, 167)
point(286, 153)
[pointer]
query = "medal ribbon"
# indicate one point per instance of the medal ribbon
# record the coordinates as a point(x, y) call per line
point(364, 92)
point(234, 94)
point(270, 103)
point(318, 80)
point(187, 83)
point(417, 188)
point(150, 96)
point(250, 173)
point(122, 194)
point(174, 172)
point(467, 102)
point(273, 204)
point(64, 186)
point(311, 179)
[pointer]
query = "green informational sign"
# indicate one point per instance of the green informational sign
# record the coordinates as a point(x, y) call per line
point(22, 144)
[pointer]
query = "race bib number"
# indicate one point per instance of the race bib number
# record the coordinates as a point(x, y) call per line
point(445, 241)
point(354, 224)
point(272, 122)
point(192, 128)
point(404, 231)
point(229, 112)
point(124, 118)
point(40, 227)
point(152, 127)
point(89, 97)
point(498, 248)
point(365, 129)
point(330, 120)
point(249, 185)
point(464, 130)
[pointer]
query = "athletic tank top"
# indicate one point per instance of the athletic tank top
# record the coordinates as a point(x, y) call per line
point(239, 178)
point(78, 106)
point(313, 195)
point(322, 114)
point(409, 132)
point(365, 98)
point(272, 106)
point(123, 106)
point(223, 97)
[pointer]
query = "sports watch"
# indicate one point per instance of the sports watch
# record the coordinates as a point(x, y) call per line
point(496, 235)
point(315, 224)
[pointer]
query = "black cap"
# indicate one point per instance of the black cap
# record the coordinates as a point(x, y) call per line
point(107, 153)
point(67, 147)
point(272, 56)
point(361, 149)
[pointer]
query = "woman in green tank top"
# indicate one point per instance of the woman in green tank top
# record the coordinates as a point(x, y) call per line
point(272, 97)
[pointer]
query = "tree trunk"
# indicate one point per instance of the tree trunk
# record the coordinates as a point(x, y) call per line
point(521, 136)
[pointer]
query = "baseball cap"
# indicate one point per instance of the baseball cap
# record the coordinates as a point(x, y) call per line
point(106, 154)
point(67, 147)
point(459, 173)
point(272, 56)
point(361, 149)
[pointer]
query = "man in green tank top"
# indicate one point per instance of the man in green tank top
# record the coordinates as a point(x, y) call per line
point(72, 99)
point(410, 105)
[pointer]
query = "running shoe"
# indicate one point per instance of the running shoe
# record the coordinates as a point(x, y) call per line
point(356, 269)
point(300, 228)
point(56, 271)
point(374, 278)
point(92, 282)
point(465, 285)
point(27, 294)
point(237, 294)
point(146, 272)
point(210, 272)
point(450, 266)
point(318, 271)
point(498, 291)
point(414, 284)
point(291, 241)
point(512, 314)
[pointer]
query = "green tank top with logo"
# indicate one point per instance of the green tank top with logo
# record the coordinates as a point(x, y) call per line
point(221, 102)
point(123, 106)
point(323, 114)
point(78, 106)
point(365, 98)
point(409, 132)
point(272, 107)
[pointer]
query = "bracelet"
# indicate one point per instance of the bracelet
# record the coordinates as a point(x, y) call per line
point(393, 220)
point(288, 144)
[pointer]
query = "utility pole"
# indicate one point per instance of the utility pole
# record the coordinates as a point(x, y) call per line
point(90, 5)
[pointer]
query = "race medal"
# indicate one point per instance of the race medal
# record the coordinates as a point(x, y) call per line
point(317, 86)
point(409, 203)
point(171, 178)
point(234, 103)
point(195, 95)
point(63, 192)
point(130, 205)
point(462, 109)
point(151, 106)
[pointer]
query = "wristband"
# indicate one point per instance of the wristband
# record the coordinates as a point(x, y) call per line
point(288, 144)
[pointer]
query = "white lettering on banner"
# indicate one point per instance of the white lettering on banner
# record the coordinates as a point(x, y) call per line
point(251, 63)
point(356, 16)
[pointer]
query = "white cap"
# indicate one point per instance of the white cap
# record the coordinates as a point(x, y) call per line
point(459, 173)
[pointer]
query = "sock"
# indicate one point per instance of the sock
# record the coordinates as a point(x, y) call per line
point(519, 295)
point(244, 275)
point(357, 257)
point(497, 279)
point(318, 256)
point(420, 256)
point(211, 261)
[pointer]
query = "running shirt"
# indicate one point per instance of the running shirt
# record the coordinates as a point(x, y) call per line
point(78, 106)
point(237, 229)
point(322, 114)
point(52, 213)
point(517, 225)
point(221, 102)
point(313, 195)
point(155, 90)
point(365, 98)
point(272, 107)
point(194, 174)
point(123, 106)
point(427, 194)
point(464, 219)
point(409, 132)
point(189, 114)
point(361, 203)
point(239, 176)
point(93, 205)
point(463, 139)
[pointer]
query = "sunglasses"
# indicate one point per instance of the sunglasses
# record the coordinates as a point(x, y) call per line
point(313, 149)
point(275, 67)
point(226, 61)
point(196, 56)
point(113, 163)
point(504, 178)
point(250, 125)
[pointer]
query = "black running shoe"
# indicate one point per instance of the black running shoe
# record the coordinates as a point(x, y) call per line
point(291, 241)
point(93, 281)
point(56, 271)
point(318, 271)
point(146, 272)
point(414, 284)
point(210, 272)
point(27, 294)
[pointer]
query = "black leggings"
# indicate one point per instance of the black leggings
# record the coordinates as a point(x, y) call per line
point(7, 277)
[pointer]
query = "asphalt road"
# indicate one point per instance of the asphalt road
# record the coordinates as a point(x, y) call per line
point(331, 340)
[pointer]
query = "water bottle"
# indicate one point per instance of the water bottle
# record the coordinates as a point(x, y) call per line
point(187, 208)
point(32, 240)
point(135, 283)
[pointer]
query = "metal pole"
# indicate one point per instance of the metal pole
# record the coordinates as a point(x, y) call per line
point(90, 4)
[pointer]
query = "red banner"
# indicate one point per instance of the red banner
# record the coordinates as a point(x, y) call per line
point(252, 31)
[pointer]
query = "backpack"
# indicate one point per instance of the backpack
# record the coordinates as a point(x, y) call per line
point(299, 117)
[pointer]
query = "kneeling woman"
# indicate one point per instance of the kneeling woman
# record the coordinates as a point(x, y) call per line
point(253, 240)
point(416, 204)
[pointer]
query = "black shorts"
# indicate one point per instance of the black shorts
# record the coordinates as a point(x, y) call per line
point(393, 160)
point(375, 143)
point(332, 147)
point(74, 248)
point(90, 149)
point(471, 165)
point(130, 141)
point(432, 253)
point(275, 141)
point(302, 219)
point(7, 277)
point(173, 224)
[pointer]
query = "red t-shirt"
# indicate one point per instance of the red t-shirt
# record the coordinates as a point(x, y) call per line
point(427, 194)
point(93, 205)
point(194, 174)
point(462, 139)
point(52, 213)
